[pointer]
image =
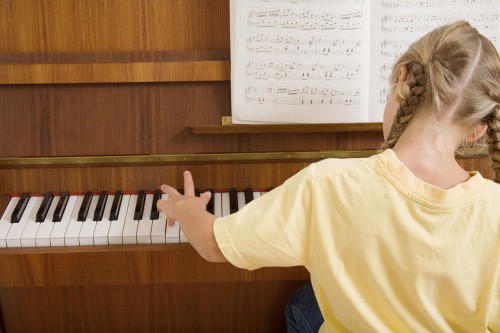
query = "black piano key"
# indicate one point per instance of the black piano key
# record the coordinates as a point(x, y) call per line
point(233, 200)
point(20, 207)
point(155, 214)
point(115, 207)
point(101, 205)
point(139, 207)
point(210, 204)
point(248, 195)
point(44, 207)
point(61, 207)
point(84, 208)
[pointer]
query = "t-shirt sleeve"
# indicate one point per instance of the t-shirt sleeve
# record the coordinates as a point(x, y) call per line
point(494, 320)
point(271, 230)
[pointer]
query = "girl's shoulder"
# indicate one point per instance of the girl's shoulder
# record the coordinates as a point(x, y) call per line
point(350, 164)
point(493, 189)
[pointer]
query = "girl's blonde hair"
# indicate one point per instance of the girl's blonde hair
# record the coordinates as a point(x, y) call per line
point(452, 71)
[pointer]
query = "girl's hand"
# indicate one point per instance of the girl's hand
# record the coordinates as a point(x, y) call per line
point(169, 205)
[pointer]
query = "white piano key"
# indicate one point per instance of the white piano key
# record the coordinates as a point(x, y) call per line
point(115, 235)
point(256, 195)
point(102, 227)
point(86, 236)
point(74, 226)
point(159, 227)
point(241, 200)
point(59, 230)
point(5, 220)
point(226, 207)
point(29, 233)
point(145, 224)
point(43, 234)
point(129, 235)
point(172, 233)
point(158, 230)
point(218, 204)
point(182, 237)
point(16, 230)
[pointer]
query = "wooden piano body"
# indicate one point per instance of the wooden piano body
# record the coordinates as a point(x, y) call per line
point(125, 95)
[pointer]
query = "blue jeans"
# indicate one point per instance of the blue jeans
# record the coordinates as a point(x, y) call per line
point(302, 312)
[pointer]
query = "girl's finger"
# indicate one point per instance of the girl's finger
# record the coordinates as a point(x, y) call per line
point(188, 184)
point(205, 197)
point(169, 190)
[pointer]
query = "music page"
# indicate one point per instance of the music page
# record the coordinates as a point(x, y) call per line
point(397, 23)
point(299, 61)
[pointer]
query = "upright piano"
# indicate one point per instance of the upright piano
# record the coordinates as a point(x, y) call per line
point(122, 96)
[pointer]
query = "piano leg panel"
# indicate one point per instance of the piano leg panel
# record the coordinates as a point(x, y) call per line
point(2, 327)
point(190, 307)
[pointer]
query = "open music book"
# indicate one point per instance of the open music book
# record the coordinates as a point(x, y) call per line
point(328, 61)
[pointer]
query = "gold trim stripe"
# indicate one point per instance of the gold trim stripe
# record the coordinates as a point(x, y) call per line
point(177, 158)
point(10, 162)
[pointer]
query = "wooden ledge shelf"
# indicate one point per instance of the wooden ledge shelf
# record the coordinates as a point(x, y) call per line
point(285, 128)
point(134, 67)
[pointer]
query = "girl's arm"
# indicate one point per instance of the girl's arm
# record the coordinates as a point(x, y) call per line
point(196, 223)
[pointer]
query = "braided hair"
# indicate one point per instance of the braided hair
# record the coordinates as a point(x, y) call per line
point(493, 121)
point(410, 96)
point(453, 71)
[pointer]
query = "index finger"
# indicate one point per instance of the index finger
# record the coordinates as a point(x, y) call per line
point(188, 184)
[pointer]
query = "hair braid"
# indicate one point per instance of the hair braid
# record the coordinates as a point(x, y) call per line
point(410, 95)
point(493, 122)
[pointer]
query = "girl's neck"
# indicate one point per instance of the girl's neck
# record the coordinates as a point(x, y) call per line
point(430, 155)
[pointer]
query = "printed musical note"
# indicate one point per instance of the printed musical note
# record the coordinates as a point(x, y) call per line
point(301, 71)
point(393, 48)
point(424, 23)
point(383, 95)
point(314, 45)
point(304, 95)
point(385, 72)
point(339, 2)
point(304, 20)
point(431, 3)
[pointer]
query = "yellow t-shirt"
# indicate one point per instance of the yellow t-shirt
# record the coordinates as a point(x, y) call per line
point(386, 251)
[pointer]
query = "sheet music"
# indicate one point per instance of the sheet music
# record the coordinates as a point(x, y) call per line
point(328, 61)
point(300, 61)
point(397, 23)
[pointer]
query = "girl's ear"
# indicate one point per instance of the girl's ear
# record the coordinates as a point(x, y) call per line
point(403, 72)
point(477, 133)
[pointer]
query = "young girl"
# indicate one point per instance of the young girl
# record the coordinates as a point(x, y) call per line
point(403, 241)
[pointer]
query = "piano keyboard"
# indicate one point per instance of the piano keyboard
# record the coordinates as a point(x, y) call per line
point(100, 218)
